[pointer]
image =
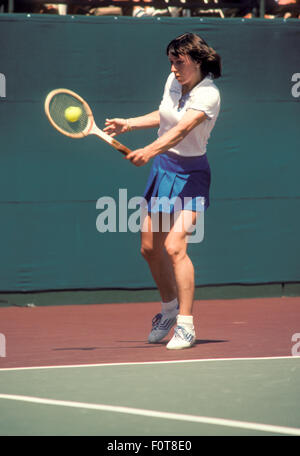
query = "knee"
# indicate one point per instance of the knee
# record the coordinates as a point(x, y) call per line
point(174, 250)
point(149, 252)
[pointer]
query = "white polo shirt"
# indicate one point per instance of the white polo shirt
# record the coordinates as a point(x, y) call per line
point(205, 97)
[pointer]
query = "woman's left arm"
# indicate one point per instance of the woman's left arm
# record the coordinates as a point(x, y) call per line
point(171, 138)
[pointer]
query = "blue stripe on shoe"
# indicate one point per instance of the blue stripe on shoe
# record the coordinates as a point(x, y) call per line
point(182, 333)
point(166, 324)
point(156, 320)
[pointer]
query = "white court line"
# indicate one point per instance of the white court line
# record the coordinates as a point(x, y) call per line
point(147, 363)
point(156, 414)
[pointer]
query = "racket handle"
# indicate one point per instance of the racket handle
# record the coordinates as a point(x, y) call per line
point(120, 147)
point(111, 141)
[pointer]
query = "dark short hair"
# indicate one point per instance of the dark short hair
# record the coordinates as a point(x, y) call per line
point(197, 48)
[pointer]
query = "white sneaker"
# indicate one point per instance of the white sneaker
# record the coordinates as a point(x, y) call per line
point(161, 325)
point(183, 338)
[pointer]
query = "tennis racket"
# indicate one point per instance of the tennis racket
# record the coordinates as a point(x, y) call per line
point(56, 104)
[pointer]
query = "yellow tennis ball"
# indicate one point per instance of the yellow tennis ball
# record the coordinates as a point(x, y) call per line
point(73, 113)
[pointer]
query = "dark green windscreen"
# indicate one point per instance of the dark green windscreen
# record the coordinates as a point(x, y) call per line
point(54, 190)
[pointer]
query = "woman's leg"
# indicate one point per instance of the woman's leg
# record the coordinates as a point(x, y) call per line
point(176, 248)
point(152, 248)
point(154, 252)
point(173, 272)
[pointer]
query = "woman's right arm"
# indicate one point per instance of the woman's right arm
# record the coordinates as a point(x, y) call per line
point(117, 126)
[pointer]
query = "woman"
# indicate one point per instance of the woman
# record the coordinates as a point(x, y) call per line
point(186, 117)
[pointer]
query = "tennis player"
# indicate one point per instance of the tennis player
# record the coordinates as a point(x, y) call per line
point(180, 170)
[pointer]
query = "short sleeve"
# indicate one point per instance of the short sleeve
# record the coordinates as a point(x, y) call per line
point(206, 99)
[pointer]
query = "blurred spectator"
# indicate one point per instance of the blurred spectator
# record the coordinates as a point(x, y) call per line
point(142, 11)
point(53, 8)
point(244, 8)
point(79, 8)
point(287, 9)
point(3, 6)
point(106, 11)
point(38, 7)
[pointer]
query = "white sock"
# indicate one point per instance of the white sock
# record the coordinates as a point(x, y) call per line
point(169, 306)
point(186, 321)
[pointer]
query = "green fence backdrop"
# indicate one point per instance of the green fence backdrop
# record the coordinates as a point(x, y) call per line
point(49, 184)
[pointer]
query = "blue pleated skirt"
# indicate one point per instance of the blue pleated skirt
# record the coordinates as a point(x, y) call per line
point(176, 183)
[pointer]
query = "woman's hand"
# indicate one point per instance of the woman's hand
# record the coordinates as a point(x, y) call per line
point(138, 157)
point(115, 127)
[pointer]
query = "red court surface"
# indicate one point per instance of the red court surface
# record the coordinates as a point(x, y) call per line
point(117, 333)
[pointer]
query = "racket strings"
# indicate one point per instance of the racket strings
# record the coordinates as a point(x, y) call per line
point(57, 107)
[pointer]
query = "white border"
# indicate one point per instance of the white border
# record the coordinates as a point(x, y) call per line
point(148, 362)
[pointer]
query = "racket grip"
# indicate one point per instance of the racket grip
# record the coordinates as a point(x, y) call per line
point(111, 141)
point(120, 147)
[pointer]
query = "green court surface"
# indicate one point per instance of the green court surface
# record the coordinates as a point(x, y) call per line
point(236, 397)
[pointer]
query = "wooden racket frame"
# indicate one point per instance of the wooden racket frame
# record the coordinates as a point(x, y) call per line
point(90, 129)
